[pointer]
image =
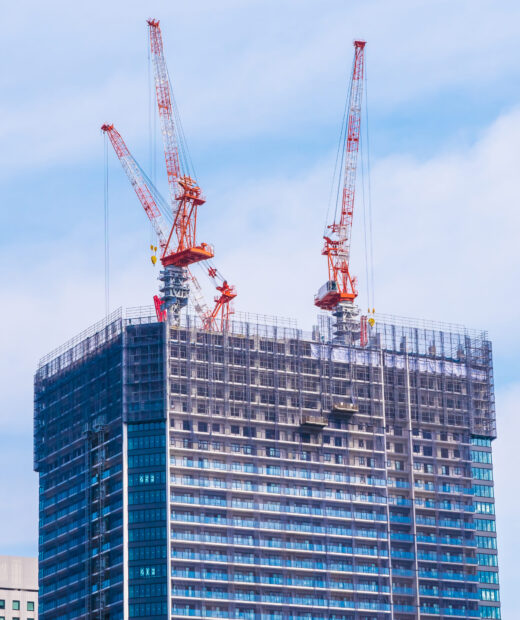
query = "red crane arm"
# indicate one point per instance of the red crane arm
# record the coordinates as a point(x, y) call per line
point(165, 106)
point(136, 178)
point(344, 228)
point(185, 194)
point(341, 286)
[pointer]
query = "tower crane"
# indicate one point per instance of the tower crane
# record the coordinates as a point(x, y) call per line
point(339, 293)
point(150, 197)
point(178, 244)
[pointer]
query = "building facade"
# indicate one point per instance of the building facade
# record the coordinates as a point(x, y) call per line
point(267, 472)
point(18, 588)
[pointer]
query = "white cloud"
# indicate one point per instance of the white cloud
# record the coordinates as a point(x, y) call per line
point(65, 127)
point(264, 69)
point(446, 233)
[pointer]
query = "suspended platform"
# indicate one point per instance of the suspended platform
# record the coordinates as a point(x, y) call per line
point(187, 257)
point(344, 409)
point(313, 424)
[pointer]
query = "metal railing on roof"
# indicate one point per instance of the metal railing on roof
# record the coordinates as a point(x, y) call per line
point(429, 337)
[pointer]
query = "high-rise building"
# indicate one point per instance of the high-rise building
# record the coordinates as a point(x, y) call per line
point(18, 588)
point(266, 473)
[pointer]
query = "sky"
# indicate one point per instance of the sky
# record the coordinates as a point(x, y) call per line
point(261, 87)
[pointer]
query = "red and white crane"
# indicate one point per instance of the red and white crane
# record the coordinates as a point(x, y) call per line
point(176, 232)
point(340, 291)
point(185, 194)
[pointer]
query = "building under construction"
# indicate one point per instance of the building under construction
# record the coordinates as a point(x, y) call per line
point(266, 472)
point(219, 466)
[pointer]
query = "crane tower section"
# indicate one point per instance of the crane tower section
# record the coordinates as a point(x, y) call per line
point(340, 291)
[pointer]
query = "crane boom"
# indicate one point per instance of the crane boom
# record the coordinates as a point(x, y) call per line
point(165, 106)
point(138, 182)
point(185, 194)
point(341, 286)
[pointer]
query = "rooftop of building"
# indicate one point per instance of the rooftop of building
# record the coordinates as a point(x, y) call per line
point(18, 573)
point(432, 339)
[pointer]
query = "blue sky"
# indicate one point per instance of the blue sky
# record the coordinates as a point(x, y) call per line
point(261, 88)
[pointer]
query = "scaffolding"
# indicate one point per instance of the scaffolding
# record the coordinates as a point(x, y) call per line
point(273, 393)
point(273, 428)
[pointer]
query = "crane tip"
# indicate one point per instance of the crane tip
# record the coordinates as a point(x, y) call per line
point(153, 22)
point(106, 127)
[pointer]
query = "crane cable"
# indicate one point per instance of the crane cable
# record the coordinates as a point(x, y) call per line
point(367, 211)
point(365, 226)
point(106, 223)
point(336, 180)
point(370, 219)
point(152, 137)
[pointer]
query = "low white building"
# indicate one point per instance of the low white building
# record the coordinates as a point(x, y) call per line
point(18, 588)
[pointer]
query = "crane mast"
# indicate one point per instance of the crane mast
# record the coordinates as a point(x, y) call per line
point(339, 293)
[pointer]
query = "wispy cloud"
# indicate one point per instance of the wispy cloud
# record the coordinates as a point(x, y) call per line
point(446, 232)
point(265, 69)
